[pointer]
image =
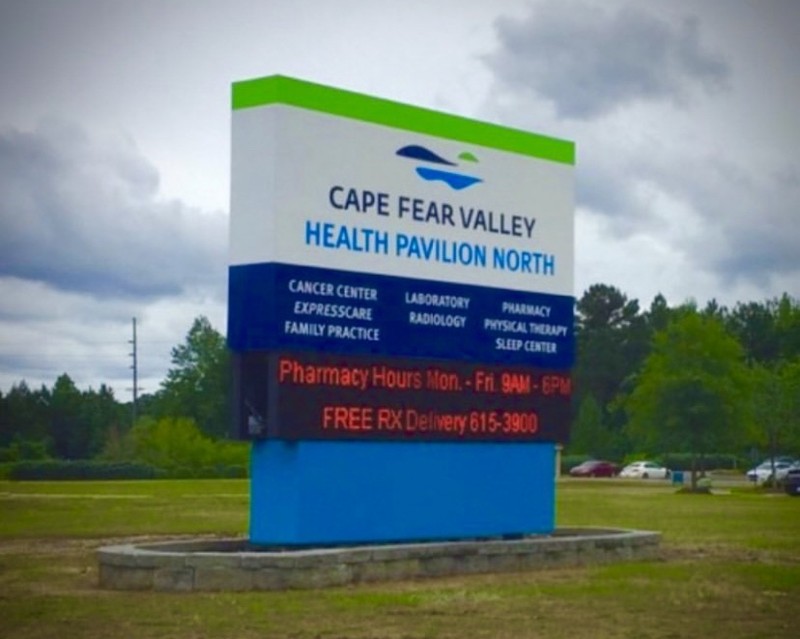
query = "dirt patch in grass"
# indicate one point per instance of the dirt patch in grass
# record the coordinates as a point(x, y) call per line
point(724, 553)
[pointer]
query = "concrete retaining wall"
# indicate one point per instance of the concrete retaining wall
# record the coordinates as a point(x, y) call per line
point(236, 565)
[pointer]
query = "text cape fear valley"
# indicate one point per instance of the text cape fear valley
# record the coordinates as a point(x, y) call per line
point(341, 235)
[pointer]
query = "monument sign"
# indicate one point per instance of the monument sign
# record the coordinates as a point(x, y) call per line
point(400, 315)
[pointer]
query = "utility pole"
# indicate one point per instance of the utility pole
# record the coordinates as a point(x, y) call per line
point(135, 368)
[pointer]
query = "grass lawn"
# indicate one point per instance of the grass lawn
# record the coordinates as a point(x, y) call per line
point(729, 567)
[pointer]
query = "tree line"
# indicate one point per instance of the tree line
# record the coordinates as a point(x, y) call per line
point(181, 426)
point(679, 379)
point(685, 379)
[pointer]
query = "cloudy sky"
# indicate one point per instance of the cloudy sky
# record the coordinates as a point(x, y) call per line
point(114, 146)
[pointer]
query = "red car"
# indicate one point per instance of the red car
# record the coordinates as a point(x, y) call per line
point(595, 468)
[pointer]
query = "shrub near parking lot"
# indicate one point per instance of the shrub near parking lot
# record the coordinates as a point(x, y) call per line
point(70, 470)
point(58, 469)
point(709, 461)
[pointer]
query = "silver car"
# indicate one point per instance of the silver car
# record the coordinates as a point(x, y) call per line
point(645, 470)
point(763, 472)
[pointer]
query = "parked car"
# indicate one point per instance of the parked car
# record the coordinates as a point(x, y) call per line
point(645, 470)
point(594, 468)
point(791, 483)
point(763, 472)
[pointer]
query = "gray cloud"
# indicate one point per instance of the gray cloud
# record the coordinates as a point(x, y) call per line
point(735, 221)
point(749, 218)
point(713, 182)
point(83, 215)
point(590, 61)
point(45, 332)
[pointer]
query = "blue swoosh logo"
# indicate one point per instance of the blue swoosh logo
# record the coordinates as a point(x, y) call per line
point(454, 180)
point(457, 181)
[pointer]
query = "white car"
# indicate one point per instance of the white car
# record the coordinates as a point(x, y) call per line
point(763, 471)
point(645, 470)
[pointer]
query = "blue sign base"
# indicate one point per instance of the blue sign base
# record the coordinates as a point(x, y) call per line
point(328, 492)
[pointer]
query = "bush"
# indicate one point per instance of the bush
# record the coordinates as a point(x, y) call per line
point(86, 470)
point(219, 471)
point(713, 461)
point(24, 449)
point(166, 448)
point(178, 446)
point(58, 469)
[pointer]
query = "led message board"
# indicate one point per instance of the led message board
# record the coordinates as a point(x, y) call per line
point(317, 396)
point(369, 229)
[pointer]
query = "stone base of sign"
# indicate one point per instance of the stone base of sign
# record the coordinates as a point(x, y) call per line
point(234, 564)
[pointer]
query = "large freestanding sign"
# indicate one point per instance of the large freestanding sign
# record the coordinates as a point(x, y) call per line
point(400, 313)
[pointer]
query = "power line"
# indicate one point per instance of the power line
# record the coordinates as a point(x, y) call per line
point(135, 368)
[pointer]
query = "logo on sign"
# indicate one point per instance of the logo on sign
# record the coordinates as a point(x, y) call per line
point(456, 181)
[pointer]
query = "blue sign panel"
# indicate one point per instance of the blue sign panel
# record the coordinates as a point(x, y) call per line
point(286, 307)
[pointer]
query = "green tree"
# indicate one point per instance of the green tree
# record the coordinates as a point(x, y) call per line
point(6, 432)
point(790, 376)
point(70, 437)
point(118, 444)
point(197, 386)
point(768, 331)
point(776, 407)
point(753, 324)
point(589, 436)
point(713, 309)
point(658, 316)
point(174, 444)
point(25, 415)
point(612, 341)
point(99, 412)
point(692, 393)
point(787, 325)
